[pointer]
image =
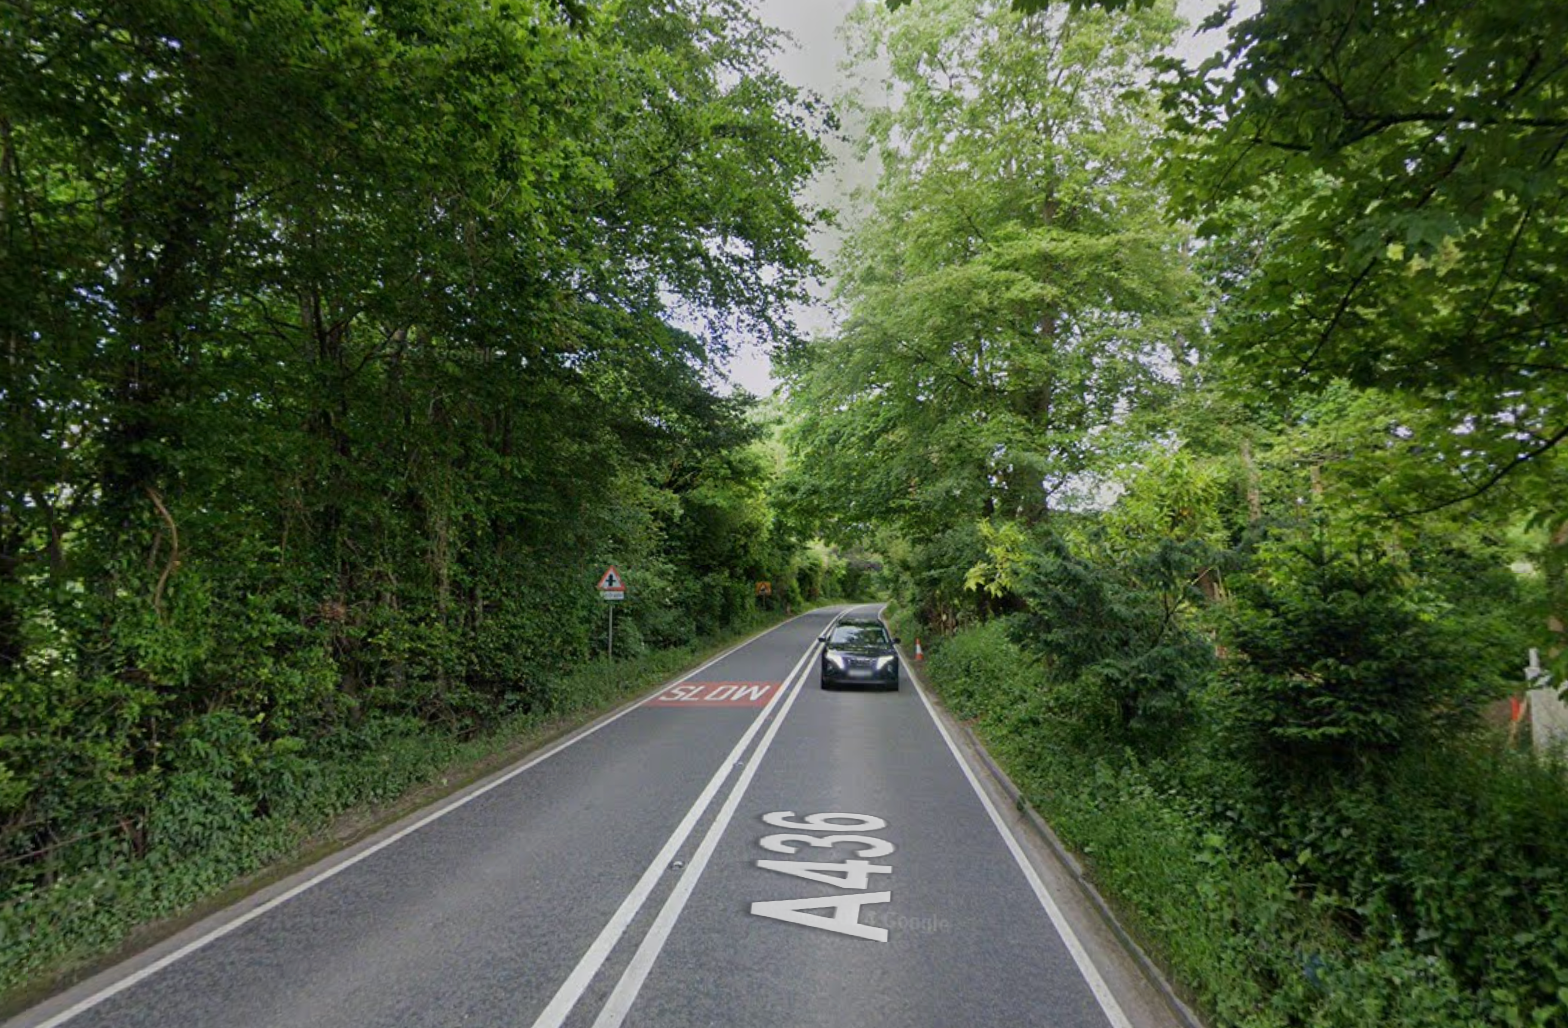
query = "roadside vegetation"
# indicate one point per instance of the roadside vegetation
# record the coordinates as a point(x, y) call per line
point(1208, 420)
point(337, 362)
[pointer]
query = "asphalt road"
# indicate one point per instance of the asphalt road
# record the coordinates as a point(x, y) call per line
point(642, 873)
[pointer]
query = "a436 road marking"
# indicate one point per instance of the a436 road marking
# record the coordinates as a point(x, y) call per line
point(845, 874)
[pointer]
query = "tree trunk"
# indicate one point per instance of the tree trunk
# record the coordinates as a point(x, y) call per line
point(1254, 487)
point(326, 343)
point(1210, 585)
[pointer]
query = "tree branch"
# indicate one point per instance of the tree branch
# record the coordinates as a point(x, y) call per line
point(1497, 476)
point(1328, 330)
point(174, 549)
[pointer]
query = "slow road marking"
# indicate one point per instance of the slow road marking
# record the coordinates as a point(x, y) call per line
point(716, 694)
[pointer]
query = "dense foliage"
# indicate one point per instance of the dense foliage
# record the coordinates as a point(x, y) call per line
point(1223, 476)
point(337, 359)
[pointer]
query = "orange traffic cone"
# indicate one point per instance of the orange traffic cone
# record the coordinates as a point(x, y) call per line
point(919, 653)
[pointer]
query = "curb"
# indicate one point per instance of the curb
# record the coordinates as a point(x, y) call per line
point(1151, 971)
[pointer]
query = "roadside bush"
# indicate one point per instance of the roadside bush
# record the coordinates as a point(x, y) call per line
point(664, 625)
point(629, 643)
point(1499, 612)
point(76, 756)
point(1111, 638)
point(1453, 853)
point(984, 674)
point(936, 571)
point(1338, 657)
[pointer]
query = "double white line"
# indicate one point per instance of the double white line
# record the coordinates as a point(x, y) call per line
point(620, 1001)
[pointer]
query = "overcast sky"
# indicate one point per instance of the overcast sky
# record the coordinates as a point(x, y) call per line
point(815, 62)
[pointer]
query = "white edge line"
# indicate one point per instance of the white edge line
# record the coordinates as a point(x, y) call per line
point(1091, 974)
point(620, 1002)
point(109, 991)
point(572, 989)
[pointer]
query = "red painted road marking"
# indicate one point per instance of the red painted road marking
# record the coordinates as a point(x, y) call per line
point(715, 694)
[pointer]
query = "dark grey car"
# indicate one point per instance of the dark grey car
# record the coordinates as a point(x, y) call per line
point(859, 652)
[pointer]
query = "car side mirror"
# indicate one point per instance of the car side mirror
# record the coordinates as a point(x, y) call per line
point(897, 640)
point(822, 638)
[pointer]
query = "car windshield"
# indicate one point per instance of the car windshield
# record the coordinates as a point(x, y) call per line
point(858, 635)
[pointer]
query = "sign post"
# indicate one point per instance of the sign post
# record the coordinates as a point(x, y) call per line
point(612, 588)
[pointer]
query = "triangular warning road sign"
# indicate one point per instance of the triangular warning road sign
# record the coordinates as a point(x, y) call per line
point(612, 581)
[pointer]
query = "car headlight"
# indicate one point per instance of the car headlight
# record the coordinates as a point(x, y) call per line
point(836, 659)
point(883, 663)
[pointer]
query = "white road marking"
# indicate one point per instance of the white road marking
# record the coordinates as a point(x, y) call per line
point(577, 982)
point(846, 874)
point(186, 950)
point(849, 874)
point(845, 919)
point(828, 822)
point(620, 1002)
point(715, 694)
point(1091, 974)
point(870, 847)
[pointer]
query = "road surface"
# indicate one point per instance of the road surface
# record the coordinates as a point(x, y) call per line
point(672, 865)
